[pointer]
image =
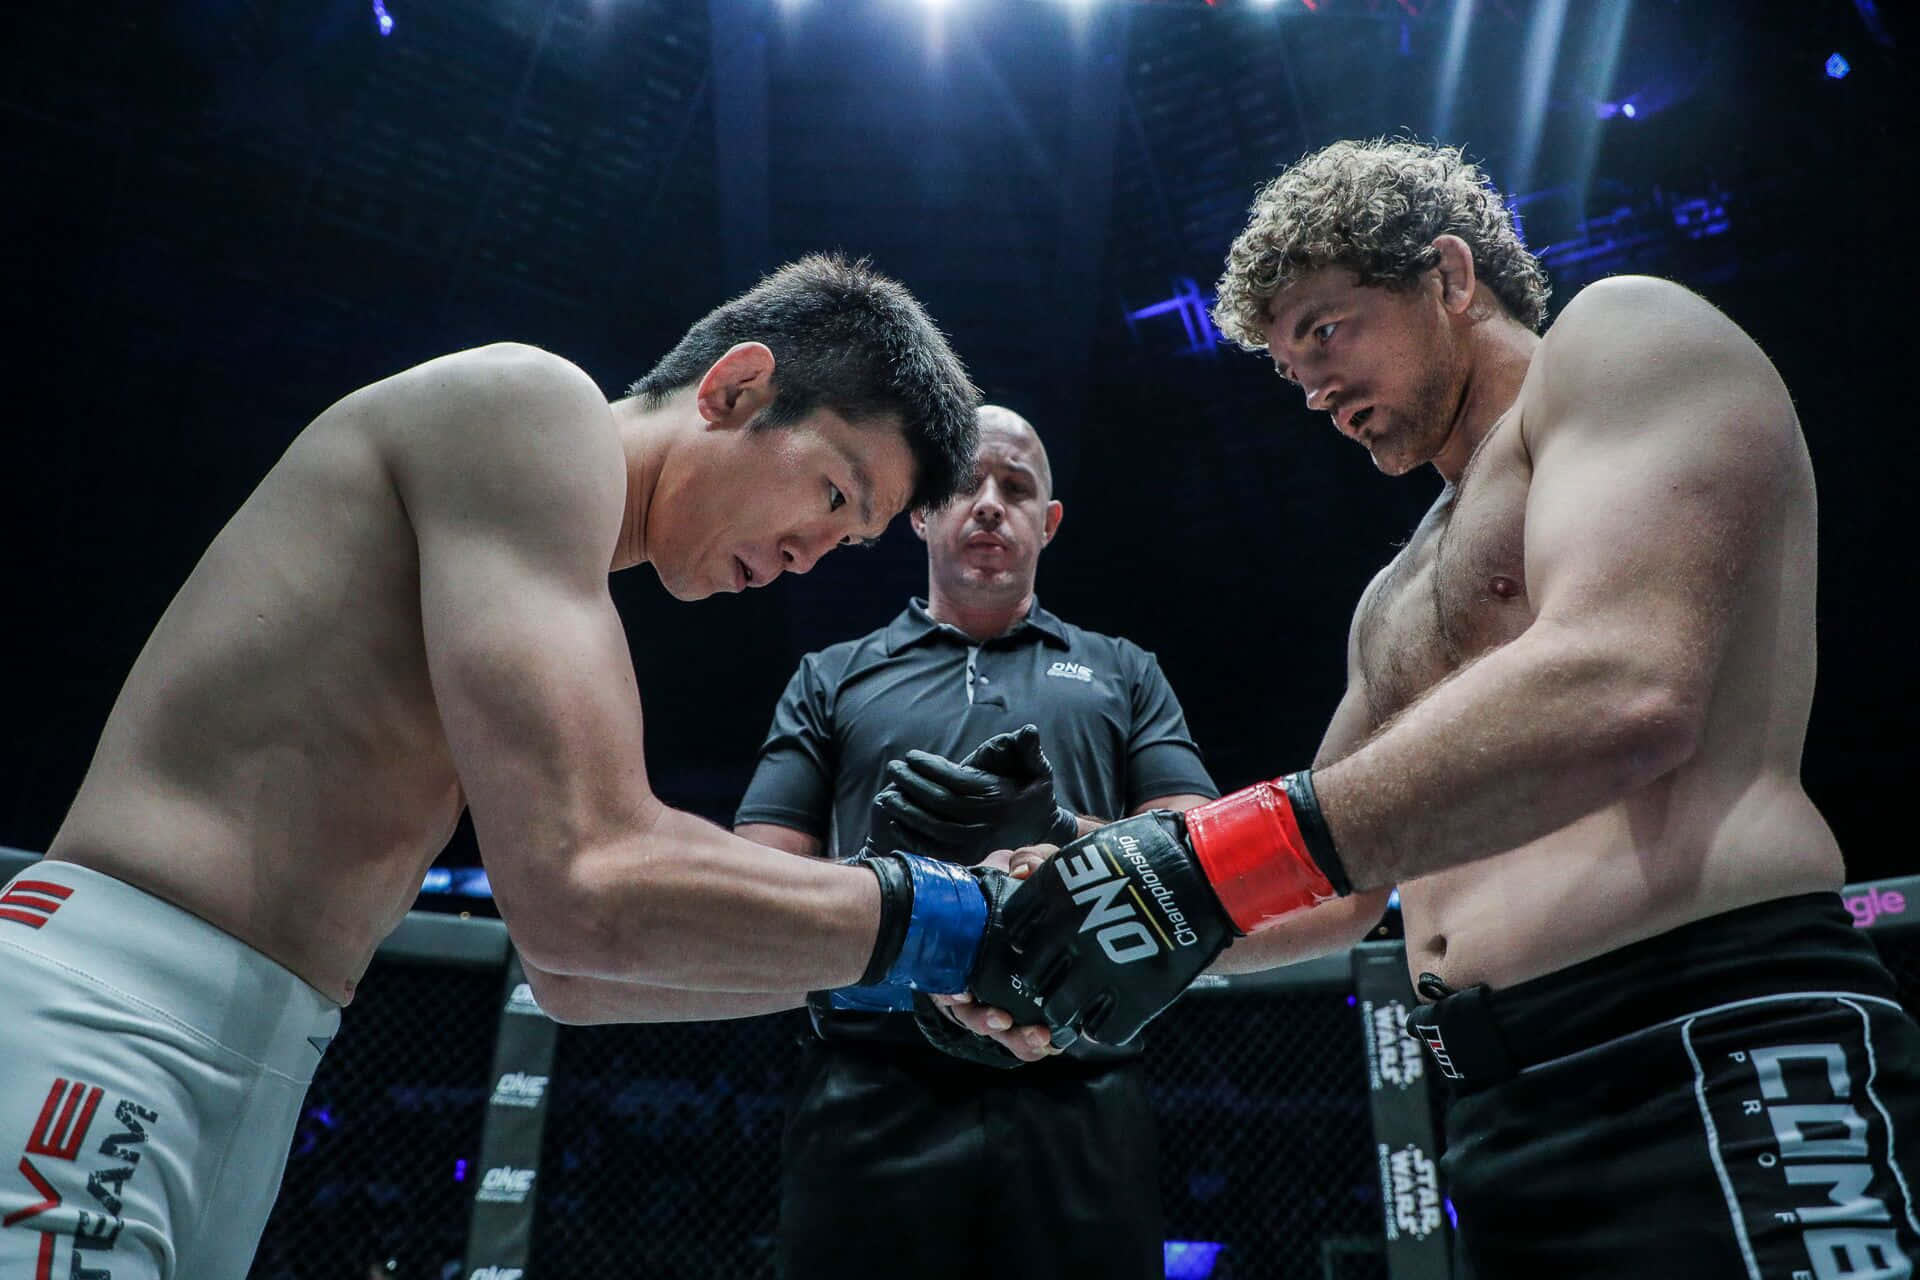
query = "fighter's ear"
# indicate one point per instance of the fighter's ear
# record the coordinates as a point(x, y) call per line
point(1054, 514)
point(918, 519)
point(737, 386)
point(1456, 273)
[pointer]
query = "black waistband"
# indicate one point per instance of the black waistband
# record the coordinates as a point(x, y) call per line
point(1803, 943)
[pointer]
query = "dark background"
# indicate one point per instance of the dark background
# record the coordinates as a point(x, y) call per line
point(222, 216)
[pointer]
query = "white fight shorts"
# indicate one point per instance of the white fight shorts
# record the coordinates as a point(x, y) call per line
point(152, 1069)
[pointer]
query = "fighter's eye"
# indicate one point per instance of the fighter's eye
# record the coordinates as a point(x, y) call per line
point(1325, 332)
point(835, 498)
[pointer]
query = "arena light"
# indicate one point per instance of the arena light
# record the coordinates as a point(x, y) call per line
point(1189, 306)
point(1450, 64)
point(1542, 50)
point(1837, 67)
point(381, 18)
point(1628, 110)
point(1189, 1259)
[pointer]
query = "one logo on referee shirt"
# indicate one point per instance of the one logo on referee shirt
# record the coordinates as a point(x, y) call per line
point(1071, 671)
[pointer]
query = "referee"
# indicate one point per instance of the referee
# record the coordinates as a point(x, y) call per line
point(1050, 1169)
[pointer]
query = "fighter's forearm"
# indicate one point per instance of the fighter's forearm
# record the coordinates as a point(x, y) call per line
point(1304, 935)
point(684, 904)
point(1537, 734)
point(580, 1000)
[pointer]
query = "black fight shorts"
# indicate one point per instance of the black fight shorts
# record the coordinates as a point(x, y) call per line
point(1739, 1098)
point(900, 1162)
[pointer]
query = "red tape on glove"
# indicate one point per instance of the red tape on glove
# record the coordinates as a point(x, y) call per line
point(1250, 846)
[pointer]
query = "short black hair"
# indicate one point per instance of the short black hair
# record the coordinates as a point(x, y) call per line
point(849, 339)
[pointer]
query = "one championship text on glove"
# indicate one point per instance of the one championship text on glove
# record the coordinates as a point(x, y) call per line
point(1112, 886)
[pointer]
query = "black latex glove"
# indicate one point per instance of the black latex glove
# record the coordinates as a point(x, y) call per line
point(999, 797)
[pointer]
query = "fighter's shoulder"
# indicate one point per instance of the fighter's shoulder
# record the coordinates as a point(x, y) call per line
point(502, 386)
point(1638, 327)
point(505, 406)
point(507, 431)
point(1633, 351)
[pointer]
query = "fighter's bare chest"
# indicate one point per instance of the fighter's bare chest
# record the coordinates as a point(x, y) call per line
point(1456, 590)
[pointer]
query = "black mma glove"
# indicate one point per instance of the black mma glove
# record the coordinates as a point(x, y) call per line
point(999, 797)
point(1106, 933)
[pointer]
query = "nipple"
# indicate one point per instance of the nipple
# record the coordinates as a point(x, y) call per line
point(1504, 587)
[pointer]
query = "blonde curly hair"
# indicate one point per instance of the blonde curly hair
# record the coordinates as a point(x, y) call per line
point(1375, 208)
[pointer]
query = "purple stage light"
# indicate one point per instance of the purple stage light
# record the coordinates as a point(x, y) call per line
point(382, 18)
point(459, 1170)
point(1189, 1259)
point(1837, 67)
point(1627, 110)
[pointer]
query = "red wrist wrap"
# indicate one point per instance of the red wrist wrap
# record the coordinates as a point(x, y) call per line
point(1250, 846)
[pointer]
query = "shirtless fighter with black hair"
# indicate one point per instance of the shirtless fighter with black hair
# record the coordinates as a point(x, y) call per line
point(409, 617)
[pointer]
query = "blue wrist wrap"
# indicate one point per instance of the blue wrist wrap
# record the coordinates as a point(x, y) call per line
point(943, 933)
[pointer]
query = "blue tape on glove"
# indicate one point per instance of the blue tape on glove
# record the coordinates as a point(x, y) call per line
point(943, 932)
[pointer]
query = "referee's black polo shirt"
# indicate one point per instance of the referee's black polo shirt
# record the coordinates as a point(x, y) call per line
point(1108, 721)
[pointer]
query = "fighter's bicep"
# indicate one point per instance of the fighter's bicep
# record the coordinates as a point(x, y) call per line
point(513, 479)
point(1660, 446)
point(537, 696)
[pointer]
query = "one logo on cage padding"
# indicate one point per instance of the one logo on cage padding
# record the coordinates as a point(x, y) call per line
point(517, 1089)
point(1393, 1057)
point(1410, 1185)
point(1118, 915)
point(59, 1135)
point(522, 1001)
point(505, 1185)
point(497, 1273)
point(1822, 1157)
